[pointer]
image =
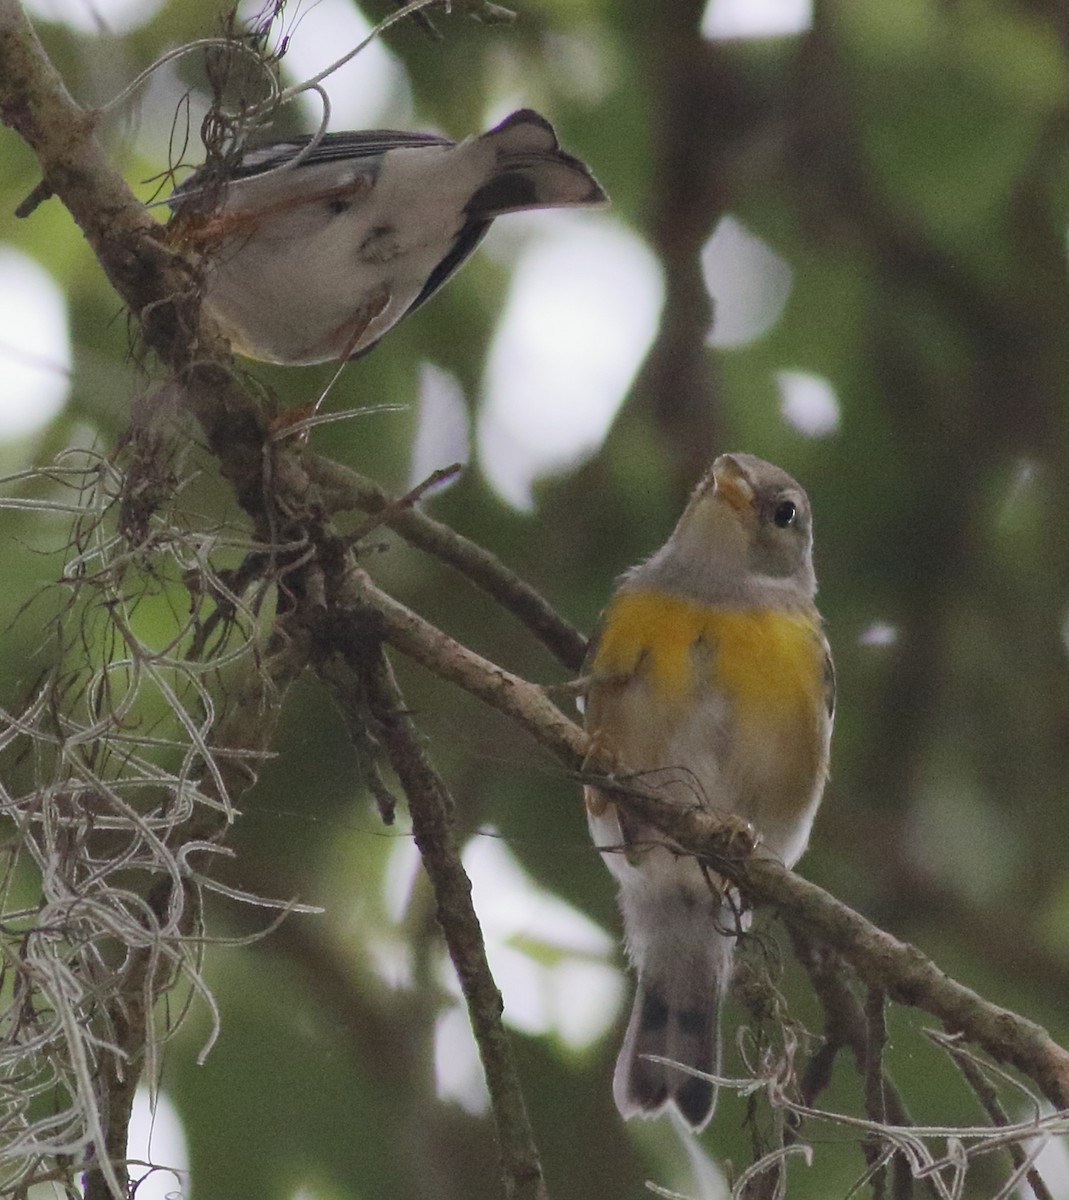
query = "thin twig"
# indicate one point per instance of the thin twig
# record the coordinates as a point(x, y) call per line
point(875, 1104)
point(987, 1094)
point(406, 502)
point(342, 489)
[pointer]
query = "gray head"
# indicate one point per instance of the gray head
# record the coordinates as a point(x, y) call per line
point(745, 538)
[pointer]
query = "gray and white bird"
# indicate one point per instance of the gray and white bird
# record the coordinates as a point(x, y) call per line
point(313, 257)
point(710, 682)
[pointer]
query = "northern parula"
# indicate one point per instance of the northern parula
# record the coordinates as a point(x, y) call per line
point(313, 252)
point(710, 681)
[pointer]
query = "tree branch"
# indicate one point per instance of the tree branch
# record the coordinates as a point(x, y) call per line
point(309, 561)
point(880, 959)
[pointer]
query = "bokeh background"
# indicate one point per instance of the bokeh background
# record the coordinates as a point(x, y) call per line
point(838, 241)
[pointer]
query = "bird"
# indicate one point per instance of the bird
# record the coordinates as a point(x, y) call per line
point(313, 249)
point(709, 681)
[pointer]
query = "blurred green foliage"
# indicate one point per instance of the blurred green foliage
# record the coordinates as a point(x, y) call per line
point(909, 162)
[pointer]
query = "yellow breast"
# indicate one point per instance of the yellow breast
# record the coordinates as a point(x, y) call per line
point(768, 663)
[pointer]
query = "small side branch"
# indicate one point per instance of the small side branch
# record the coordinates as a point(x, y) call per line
point(847, 1027)
point(987, 1094)
point(431, 807)
point(342, 488)
point(875, 1103)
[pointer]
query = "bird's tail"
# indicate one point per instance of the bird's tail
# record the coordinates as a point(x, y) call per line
point(676, 1016)
point(532, 171)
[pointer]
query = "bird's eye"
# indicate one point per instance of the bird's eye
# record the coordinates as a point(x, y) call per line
point(785, 513)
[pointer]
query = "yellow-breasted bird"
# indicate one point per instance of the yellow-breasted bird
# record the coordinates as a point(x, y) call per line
point(710, 679)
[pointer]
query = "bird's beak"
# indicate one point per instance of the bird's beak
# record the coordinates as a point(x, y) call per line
point(732, 486)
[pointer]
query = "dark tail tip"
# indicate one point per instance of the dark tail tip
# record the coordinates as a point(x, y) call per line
point(684, 1036)
point(532, 171)
point(695, 1099)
